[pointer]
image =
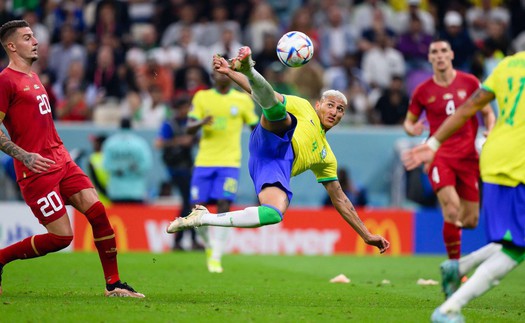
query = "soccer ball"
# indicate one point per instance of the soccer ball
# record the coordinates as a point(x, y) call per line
point(295, 49)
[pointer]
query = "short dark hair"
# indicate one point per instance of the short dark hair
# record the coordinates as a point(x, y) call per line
point(9, 28)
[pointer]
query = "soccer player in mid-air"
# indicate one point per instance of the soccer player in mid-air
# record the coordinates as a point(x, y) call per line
point(220, 113)
point(47, 175)
point(454, 173)
point(503, 202)
point(290, 139)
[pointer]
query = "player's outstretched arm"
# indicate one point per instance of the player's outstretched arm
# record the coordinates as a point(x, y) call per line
point(489, 119)
point(425, 153)
point(348, 212)
point(33, 161)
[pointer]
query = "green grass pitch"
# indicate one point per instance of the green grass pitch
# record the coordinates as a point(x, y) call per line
point(69, 287)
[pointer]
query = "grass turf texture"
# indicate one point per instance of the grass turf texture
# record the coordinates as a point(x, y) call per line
point(69, 287)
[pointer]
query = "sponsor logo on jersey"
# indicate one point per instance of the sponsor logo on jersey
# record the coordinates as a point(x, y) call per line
point(234, 110)
point(431, 99)
point(26, 88)
point(448, 96)
point(462, 94)
point(36, 86)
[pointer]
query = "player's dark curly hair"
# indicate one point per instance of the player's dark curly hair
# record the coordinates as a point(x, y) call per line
point(9, 28)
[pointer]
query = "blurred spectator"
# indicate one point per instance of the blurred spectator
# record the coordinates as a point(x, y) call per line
point(177, 156)
point(66, 51)
point(153, 109)
point(307, 80)
point(267, 55)
point(262, 23)
point(103, 77)
point(478, 17)
point(220, 20)
point(127, 157)
point(112, 17)
point(40, 30)
point(191, 78)
point(348, 78)
point(73, 105)
point(459, 39)
point(302, 21)
point(392, 106)
point(403, 19)
point(382, 62)
point(227, 44)
point(96, 171)
point(186, 18)
point(275, 74)
point(336, 39)
point(368, 35)
point(356, 194)
point(159, 75)
point(363, 15)
point(414, 45)
point(68, 12)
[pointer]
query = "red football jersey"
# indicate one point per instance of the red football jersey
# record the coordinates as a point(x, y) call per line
point(28, 119)
point(440, 102)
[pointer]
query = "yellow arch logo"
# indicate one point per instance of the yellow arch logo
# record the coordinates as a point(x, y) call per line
point(386, 228)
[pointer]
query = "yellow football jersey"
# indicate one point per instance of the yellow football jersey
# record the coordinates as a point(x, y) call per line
point(220, 142)
point(503, 157)
point(309, 143)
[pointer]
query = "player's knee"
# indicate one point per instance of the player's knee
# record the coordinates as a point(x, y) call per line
point(275, 113)
point(60, 242)
point(470, 223)
point(269, 215)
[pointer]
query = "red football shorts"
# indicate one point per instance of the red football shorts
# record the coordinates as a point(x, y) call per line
point(463, 174)
point(47, 193)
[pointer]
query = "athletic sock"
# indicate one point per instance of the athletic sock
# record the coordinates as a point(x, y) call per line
point(487, 275)
point(262, 91)
point(247, 218)
point(472, 260)
point(34, 246)
point(220, 236)
point(452, 239)
point(105, 242)
point(204, 234)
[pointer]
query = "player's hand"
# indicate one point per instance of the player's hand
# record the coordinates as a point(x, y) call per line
point(419, 127)
point(416, 156)
point(220, 64)
point(36, 163)
point(378, 241)
point(208, 120)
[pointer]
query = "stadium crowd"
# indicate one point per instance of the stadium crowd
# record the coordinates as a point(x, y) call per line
point(104, 60)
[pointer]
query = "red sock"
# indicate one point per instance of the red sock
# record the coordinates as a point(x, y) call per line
point(105, 242)
point(452, 238)
point(34, 246)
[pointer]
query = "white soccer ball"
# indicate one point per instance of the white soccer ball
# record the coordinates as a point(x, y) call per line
point(295, 49)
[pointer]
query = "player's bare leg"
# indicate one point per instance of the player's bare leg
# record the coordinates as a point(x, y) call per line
point(468, 214)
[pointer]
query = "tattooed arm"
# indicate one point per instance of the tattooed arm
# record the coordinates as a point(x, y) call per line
point(33, 161)
point(347, 211)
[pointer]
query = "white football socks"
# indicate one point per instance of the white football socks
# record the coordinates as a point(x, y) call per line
point(247, 218)
point(203, 233)
point(262, 91)
point(487, 275)
point(472, 260)
point(218, 241)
